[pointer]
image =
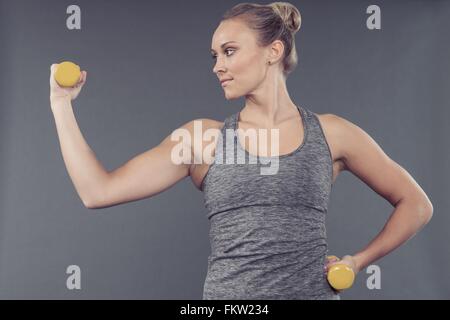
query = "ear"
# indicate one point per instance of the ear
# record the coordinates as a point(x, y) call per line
point(276, 50)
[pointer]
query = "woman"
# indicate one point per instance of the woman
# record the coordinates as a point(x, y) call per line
point(268, 237)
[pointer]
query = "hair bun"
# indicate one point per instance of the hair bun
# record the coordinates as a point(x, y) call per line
point(289, 14)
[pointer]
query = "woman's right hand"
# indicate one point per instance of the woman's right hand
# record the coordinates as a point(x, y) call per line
point(56, 91)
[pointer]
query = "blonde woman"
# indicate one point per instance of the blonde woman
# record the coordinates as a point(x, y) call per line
point(268, 237)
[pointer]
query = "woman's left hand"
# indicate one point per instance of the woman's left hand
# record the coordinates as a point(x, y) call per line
point(348, 260)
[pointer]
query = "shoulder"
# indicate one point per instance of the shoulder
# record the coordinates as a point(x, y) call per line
point(347, 138)
point(356, 146)
point(209, 123)
point(338, 126)
point(333, 126)
point(191, 131)
point(329, 118)
point(197, 133)
point(203, 123)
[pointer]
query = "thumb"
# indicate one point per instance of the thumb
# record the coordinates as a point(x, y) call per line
point(53, 68)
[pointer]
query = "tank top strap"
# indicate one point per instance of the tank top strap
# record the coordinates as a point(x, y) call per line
point(221, 145)
point(230, 121)
point(308, 114)
point(305, 113)
point(315, 130)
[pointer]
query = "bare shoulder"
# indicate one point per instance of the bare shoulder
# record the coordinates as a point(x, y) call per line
point(333, 126)
point(203, 123)
point(330, 120)
point(195, 129)
point(201, 132)
point(350, 139)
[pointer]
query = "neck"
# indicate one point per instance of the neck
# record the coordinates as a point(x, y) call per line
point(269, 104)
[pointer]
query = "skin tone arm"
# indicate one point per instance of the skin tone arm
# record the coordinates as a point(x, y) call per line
point(413, 210)
point(143, 176)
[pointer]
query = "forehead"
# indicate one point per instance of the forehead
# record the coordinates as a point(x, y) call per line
point(231, 30)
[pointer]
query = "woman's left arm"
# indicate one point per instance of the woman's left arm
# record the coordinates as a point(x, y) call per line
point(364, 158)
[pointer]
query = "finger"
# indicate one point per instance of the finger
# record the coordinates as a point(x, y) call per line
point(330, 264)
point(332, 258)
point(333, 261)
point(82, 78)
point(82, 82)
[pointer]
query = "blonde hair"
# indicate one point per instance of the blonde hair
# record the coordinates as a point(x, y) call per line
point(274, 21)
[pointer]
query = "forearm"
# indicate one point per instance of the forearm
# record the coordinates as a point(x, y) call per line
point(86, 172)
point(405, 221)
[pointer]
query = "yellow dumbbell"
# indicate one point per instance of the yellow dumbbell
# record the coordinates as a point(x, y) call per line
point(340, 276)
point(67, 74)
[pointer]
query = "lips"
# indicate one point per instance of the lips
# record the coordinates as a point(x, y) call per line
point(225, 81)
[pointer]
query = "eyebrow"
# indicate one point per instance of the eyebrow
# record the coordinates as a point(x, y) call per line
point(223, 45)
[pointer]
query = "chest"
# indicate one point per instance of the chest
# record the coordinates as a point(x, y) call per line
point(290, 137)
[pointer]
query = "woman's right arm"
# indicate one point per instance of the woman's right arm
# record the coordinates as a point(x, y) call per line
point(143, 176)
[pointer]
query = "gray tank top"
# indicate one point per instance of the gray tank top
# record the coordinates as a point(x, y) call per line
point(267, 231)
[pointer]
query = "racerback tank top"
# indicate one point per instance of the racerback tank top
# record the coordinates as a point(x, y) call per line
point(267, 231)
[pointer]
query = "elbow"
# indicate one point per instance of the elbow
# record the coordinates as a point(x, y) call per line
point(422, 208)
point(90, 204)
point(430, 215)
point(93, 200)
point(426, 212)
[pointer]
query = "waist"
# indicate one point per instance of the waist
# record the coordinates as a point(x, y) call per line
point(285, 276)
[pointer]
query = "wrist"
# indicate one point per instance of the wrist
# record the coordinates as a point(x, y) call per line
point(59, 101)
point(60, 96)
point(359, 261)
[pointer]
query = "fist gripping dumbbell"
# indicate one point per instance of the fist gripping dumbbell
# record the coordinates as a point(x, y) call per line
point(67, 74)
point(340, 276)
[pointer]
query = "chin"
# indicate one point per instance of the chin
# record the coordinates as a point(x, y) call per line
point(230, 97)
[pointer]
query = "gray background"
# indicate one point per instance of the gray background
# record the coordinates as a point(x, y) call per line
point(150, 71)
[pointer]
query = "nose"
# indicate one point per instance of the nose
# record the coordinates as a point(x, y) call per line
point(219, 66)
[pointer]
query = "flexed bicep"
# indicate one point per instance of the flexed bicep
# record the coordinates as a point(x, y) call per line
point(148, 173)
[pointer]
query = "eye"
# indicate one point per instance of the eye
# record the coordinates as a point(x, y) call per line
point(226, 50)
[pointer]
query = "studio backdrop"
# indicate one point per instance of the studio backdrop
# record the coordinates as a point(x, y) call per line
point(150, 71)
